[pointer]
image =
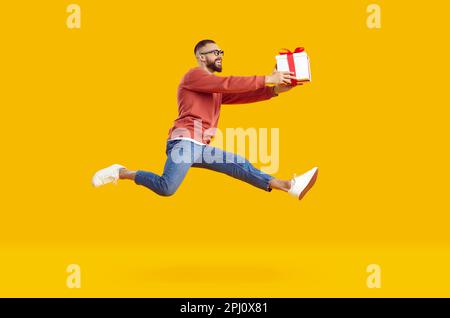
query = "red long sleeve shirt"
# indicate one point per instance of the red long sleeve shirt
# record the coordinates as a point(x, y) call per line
point(200, 95)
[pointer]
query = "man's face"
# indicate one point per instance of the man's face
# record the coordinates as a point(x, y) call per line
point(213, 61)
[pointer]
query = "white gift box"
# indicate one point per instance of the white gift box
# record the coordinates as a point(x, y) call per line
point(301, 63)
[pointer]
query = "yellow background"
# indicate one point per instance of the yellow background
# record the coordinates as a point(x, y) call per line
point(374, 120)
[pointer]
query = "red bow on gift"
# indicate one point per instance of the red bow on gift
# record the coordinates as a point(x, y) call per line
point(290, 60)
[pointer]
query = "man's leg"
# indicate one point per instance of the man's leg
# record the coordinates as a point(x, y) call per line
point(240, 168)
point(204, 157)
point(174, 170)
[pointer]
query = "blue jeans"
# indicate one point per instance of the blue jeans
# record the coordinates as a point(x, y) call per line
point(183, 154)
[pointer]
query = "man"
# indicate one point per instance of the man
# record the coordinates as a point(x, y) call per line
point(200, 95)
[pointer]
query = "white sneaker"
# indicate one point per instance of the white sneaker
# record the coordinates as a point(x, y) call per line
point(106, 175)
point(301, 184)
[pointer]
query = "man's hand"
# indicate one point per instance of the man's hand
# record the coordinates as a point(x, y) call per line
point(280, 78)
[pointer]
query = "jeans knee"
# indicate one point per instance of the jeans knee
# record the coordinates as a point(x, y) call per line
point(168, 189)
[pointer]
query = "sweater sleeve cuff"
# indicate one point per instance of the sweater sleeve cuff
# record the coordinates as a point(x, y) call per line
point(260, 81)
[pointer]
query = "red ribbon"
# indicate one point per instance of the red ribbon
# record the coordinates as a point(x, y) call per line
point(290, 59)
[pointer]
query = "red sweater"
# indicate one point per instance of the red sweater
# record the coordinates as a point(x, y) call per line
point(200, 95)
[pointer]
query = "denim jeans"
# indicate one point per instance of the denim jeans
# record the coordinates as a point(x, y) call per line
point(184, 154)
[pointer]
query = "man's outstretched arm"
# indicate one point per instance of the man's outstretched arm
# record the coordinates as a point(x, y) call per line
point(200, 80)
point(258, 95)
point(255, 96)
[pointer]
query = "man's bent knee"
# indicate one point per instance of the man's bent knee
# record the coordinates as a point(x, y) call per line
point(168, 190)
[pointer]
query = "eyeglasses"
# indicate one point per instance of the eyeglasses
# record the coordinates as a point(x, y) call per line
point(216, 52)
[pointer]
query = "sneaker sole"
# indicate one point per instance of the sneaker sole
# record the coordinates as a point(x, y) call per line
point(310, 184)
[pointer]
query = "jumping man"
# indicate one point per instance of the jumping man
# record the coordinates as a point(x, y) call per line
point(200, 95)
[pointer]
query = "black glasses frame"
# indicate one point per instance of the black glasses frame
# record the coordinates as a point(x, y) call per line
point(216, 52)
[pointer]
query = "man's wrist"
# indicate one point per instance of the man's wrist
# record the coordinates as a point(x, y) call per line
point(268, 80)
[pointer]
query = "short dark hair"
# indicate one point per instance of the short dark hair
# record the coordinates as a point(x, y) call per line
point(201, 44)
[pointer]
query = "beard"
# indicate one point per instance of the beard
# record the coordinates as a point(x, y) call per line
point(215, 66)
